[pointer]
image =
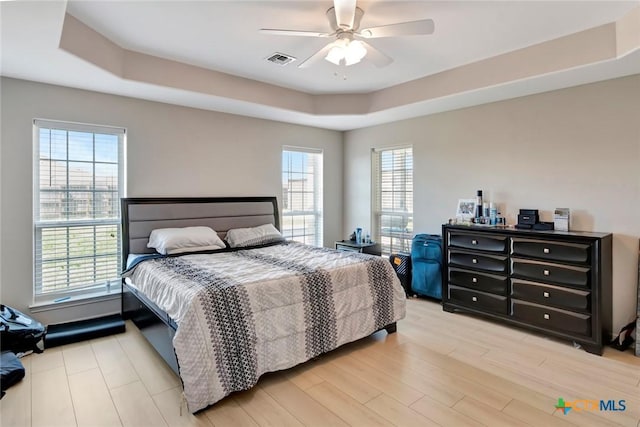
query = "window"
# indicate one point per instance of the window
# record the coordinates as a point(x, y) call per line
point(302, 195)
point(78, 182)
point(393, 198)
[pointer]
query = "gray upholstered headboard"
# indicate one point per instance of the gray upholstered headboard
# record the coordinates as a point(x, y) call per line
point(141, 215)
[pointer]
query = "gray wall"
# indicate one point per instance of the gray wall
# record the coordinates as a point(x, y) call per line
point(171, 151)
point(577, 148)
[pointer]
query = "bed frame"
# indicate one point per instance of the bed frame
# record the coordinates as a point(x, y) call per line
point(141, 215)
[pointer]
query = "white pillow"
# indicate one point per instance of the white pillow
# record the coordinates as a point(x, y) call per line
point(261, 235)
point(167, 241)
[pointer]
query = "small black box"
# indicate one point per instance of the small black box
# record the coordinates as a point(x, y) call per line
point(524, 226)
point(527, 218)
point(543, 226)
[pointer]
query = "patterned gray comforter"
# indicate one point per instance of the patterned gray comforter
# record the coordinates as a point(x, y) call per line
point(241, 314)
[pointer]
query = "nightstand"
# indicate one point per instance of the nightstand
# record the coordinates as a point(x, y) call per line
point(365, 248)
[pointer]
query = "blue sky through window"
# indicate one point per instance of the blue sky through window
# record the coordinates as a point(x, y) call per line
point(54, 143)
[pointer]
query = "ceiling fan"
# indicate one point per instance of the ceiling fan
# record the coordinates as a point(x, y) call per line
point(349, 46)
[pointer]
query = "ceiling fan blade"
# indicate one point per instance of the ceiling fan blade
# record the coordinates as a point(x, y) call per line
point(378, 58)
point(277, 32)
point(316, 57)
point(413, 28)
point(331, 17)
point(345, 11)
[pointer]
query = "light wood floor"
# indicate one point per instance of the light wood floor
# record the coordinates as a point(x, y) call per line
point(438, 369)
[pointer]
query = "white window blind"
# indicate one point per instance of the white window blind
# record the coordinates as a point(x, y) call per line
point(78, 182)
point(302, 195)
point(392, 172)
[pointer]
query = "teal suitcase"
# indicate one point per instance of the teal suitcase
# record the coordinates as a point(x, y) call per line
point(426, 264)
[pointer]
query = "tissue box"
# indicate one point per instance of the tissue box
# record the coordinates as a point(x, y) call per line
point(561, 219)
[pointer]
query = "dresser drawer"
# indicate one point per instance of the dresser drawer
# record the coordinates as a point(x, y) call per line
point(570, 299)
point(490, 263)
point(481, 281)
point(551, 318)
point(478, 241)
point(553, 251)
point(346, 248)
point(479, 300)
point(551, 273)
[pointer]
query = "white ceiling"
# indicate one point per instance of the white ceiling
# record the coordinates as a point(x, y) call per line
point(223, 36)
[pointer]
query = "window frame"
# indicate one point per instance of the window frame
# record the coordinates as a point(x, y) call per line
point(376, 201)
point(318, 196)
point(109, 286)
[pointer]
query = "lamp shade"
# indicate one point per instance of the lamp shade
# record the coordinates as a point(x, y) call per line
point(354, 52)
point(346, 51)
point(336, 53)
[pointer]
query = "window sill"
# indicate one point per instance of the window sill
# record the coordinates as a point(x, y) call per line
point(76, 300)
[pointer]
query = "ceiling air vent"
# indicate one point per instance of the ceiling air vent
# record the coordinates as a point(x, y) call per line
point(280, 58)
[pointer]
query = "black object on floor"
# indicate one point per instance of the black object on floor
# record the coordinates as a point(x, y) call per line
point(625, 338)
point(19, 332)
point(401, 263)
point(11, 371)
point(66, 333)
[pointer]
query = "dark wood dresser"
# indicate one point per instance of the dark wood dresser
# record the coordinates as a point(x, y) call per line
point(553, 282)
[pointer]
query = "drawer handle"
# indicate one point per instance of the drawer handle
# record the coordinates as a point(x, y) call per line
point(475, 261)
point(474, 280)
point(546, 272)
point(546, 250)
point(545, 294)
point(546, 316)
point(474, 242)
point(474, 299)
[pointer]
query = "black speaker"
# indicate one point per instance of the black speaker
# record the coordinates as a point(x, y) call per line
point(402, 265)
point(527, 219)
point(528, 216)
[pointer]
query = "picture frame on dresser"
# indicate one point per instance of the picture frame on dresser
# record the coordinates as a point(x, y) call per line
point(466, 209)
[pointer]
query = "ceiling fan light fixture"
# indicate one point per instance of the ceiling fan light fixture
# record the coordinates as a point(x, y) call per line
point(346, 51)
point(335, 55)
point(344, 19)
point(337, 51)
point(355, 51)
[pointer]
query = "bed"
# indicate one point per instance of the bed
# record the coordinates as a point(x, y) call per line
point(220, 319)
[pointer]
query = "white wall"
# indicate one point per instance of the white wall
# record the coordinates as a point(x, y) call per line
point(577, 148)
point(171, 151)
